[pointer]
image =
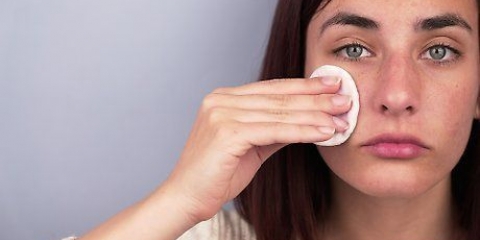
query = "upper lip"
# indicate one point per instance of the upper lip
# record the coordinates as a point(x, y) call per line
point(395, 138)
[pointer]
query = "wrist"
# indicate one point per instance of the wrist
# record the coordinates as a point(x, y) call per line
point(170, 207)
point(180, 199)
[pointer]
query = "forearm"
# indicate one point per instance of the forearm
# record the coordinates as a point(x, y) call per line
point(158, 217)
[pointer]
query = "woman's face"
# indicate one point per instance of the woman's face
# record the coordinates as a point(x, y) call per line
point(416, 66)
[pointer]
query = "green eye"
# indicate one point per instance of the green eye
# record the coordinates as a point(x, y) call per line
point(354, 51)
point(441, 53)
point(438, 52)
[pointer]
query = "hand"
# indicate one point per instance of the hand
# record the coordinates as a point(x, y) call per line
point(238, 128)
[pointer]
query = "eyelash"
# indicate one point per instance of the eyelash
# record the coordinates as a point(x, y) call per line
point(337, 51)
point(450, 50)
point(456, 53)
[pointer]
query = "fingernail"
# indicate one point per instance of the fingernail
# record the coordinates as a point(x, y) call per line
point(330, 80)
point(340, 123)
point(340, 100)
point(327, 130)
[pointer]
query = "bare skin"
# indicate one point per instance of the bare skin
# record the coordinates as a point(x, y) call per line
point(392, 180)
point(236, 130)
point(397, 192)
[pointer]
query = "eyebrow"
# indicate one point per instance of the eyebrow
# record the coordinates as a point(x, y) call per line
point(443, 21)
point(343, 18)
point(428, 24)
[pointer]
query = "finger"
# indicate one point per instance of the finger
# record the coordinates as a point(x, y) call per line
point(330, 103)
point(267, 151)
point(312, 118)
point(264, 134)
point(258, 156)
point(286, 86)
point(248, 137)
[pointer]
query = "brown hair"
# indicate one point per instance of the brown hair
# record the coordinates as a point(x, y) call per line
point(289, 196)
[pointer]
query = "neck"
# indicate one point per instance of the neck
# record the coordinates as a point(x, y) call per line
point(357, 216)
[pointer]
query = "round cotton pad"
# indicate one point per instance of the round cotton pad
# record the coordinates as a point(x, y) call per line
point(349, 88)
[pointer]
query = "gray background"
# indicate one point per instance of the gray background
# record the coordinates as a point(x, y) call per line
point(97, 99)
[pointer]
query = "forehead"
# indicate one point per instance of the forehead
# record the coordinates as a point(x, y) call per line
point(402, 12)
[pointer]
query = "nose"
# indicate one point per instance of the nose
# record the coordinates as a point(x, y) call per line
point(399, 87)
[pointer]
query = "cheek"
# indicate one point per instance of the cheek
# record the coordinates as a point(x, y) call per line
point(452, 108)
point(443, 119)
point(451, 120)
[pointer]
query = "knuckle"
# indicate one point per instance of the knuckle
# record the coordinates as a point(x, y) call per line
point(322, 119)
point(310, 84)
point(320, 101)
point(281, 100)
point(319, 116)
point(210, 101)
point(215, 115)
point(279, 114)
point(275, 81)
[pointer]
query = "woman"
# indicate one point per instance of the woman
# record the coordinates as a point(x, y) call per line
point(409, 171)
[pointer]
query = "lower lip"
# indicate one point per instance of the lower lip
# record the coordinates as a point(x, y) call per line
point(396, 150)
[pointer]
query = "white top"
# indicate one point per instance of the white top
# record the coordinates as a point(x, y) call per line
point(225, 225)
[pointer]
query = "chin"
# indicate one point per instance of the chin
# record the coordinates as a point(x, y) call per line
point(396, 185)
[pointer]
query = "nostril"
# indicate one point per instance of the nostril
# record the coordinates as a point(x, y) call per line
point(386, 108)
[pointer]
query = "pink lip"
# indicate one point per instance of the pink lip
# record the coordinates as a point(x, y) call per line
point(394, 146)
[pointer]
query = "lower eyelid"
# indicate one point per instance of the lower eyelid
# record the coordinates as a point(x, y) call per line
point(443, 62)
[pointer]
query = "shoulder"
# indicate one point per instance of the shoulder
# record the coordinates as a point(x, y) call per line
point(227, 224)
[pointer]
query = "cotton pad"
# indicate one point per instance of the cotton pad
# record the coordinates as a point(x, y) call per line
point(348, 88)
